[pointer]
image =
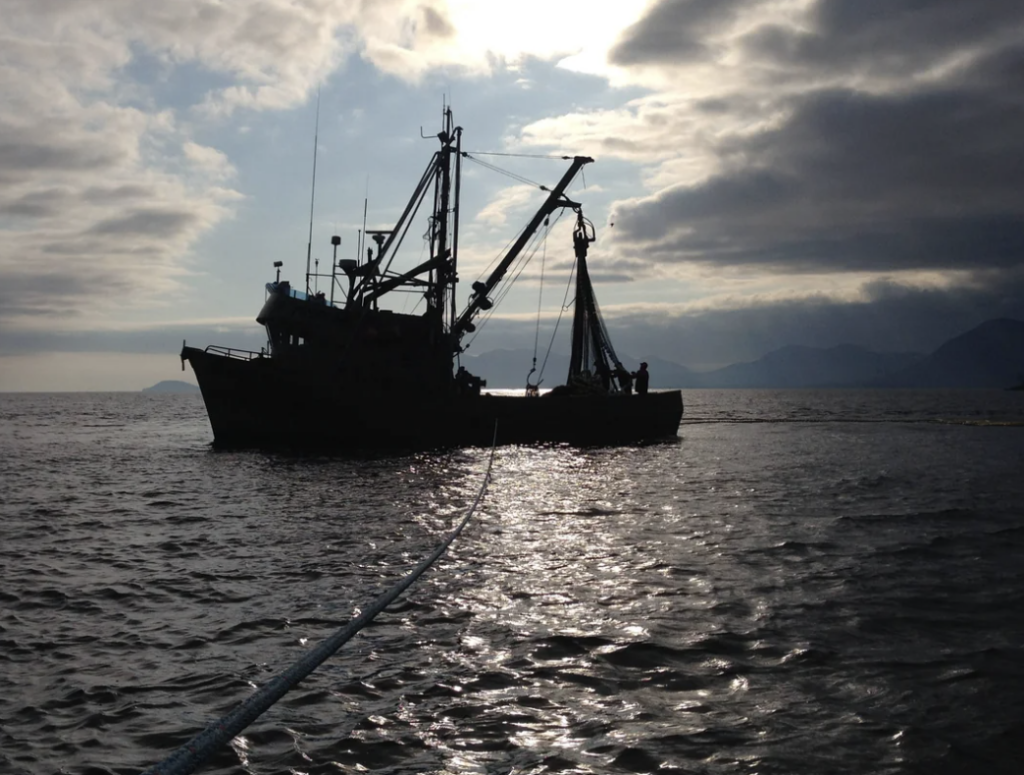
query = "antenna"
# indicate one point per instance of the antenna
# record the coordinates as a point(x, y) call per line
point(312, 196)
point(362, 234)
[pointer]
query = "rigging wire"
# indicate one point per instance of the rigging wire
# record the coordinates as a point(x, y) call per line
point(419, 261)
point(466, 154)
point(507, 173)
point(540, 241)
point(565, 306)
point(520, 155)
point(504, 251)
point(510, 278)
point(502, 288)
point(540, 297)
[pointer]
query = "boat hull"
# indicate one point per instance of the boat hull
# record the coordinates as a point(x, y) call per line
point(258, 403)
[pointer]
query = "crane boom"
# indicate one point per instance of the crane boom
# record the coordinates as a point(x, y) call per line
point(481, 290)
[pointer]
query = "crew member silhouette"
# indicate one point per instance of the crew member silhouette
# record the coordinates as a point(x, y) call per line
point(643, 377)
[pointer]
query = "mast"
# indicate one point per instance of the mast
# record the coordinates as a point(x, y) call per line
point(440, 287)
point(312, 196)
point(435, 301)
point(481, 290)
point(455, 229)
point(447, 241)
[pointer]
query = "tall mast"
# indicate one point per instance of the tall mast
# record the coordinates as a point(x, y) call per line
point(455, 229)
point(439, 291)
point(312, 196)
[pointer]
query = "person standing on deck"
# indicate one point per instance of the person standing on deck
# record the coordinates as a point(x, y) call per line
point(643, 377)
point(625, 380)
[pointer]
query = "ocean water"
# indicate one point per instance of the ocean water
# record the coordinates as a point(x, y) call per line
point(803, 582)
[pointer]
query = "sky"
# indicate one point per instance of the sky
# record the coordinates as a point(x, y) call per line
point(768, 172)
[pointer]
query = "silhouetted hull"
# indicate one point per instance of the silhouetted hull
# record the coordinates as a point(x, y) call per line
point(257, 403)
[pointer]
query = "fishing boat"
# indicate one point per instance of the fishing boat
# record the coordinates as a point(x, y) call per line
point(349, 374)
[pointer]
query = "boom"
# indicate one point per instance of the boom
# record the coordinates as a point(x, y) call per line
point(481, 290)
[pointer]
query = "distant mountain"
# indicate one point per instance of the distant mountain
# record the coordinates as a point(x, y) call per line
point(172, 386)
point(989, 356)
point(506, 369)
point(509, 368)
point(795, 366)
point(665, 374)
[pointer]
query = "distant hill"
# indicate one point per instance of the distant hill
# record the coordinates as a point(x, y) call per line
point(806, 367)
point(509, 369)
point(665, 374)
point(989, 356)
point(172, 386)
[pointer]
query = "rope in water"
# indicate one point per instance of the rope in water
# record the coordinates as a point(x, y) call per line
point(196, 751)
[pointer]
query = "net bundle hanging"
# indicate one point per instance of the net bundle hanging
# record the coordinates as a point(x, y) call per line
point(593, 365)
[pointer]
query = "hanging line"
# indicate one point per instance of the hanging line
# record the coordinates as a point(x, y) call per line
point(522, 155)
point(196, 751)
point(565, 306)
point(510, 279)
point(506, 173)
point(540, 298)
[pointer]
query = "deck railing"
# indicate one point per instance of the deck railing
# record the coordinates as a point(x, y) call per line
point(232, 352)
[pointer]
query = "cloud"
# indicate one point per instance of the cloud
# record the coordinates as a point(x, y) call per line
point(511, 200)
point(94, 162)
point(818, 136)
point(880, 39)
point(155, 338)
point(104, 187)
point(146, 221)
point(436, 23)
point(852, 181)
point(676, 31)
point(784, 139)
point(214, 162)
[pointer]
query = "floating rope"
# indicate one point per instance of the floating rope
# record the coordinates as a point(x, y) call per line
point(196, 751)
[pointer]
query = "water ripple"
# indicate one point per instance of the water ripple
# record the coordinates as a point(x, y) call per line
point(775, 597)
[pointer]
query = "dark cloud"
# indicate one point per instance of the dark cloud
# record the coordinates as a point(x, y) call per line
point(998, 72)
point(894, 38)
point(436, 24)
point(675, 31)
point(47, 293)
point(603, 269)
point(22, 154)
point(914, 163)
point(118, 194)
point(150, 222)
point(889, 317)
point(40, 204)
point(152, 341)
point(863, 29)
point(610, 277)
point(854, 181)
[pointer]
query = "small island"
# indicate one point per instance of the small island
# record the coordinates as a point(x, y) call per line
point(172, 386)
